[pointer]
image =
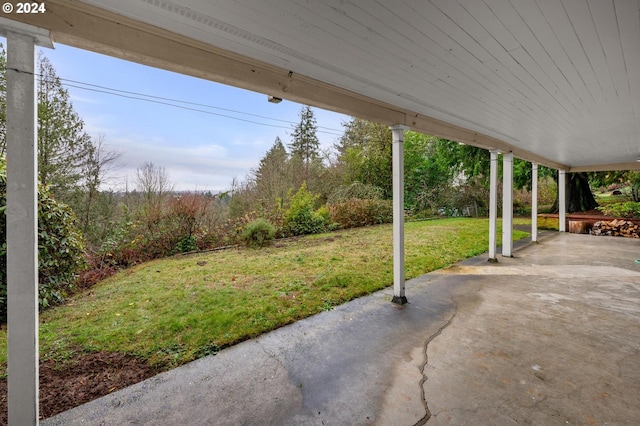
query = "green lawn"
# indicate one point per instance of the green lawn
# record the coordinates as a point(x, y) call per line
point(174, 310)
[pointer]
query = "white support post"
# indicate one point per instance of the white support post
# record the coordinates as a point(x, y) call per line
point(534, 202)
point(22, 236)
point(398, 213)
point(507, 204)
point(22, 221)
point(493, 205)
point(562, 200)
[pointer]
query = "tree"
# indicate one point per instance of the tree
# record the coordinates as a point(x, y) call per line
point(523, 173)
point(152, 181)
point(461, 161)
point(88, 196)
point(579, 197)
point(305, 146)
point(272, 178)
point(364, 154)
point(423, 167)
point(70, 164)
point(154, 185)
point(63, 145)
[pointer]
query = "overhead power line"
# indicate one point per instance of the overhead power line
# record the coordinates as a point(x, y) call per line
point(173, 103)
point(136, 95)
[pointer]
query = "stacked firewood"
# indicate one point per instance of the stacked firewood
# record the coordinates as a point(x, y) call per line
point(616, 227)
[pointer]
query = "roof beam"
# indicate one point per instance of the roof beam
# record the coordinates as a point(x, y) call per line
point(91, 28)
point(606, 167)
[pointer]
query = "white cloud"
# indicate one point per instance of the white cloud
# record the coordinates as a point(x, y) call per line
point(202, 167)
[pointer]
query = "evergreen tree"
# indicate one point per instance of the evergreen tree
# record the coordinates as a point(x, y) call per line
point(69, 162)
point(305, 146)
point(63, 145)
point(272, 178)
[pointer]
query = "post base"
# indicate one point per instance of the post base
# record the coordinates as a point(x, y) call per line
point(400, 300)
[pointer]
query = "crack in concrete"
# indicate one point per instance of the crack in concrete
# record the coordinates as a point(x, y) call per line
point(427, 415)
point(270, 355)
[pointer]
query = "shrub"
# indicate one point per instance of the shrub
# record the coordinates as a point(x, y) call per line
point(356, 189)
point(521, 208)
point(60, 248)
point(185, 213)
point(547, 190)
point(258, 233)
point(629, 209)
point(469, 198)
point(230, 232)
point(357, 212)
point(187, 244)
point(300, 218)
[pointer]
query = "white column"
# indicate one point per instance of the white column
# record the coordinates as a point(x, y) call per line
point(398, 213)
point(534, 202)
point(562, 200)
point(22, 221)
point(507, 204)
point(493, 205)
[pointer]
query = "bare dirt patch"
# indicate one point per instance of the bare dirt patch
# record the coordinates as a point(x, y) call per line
point(67, 385)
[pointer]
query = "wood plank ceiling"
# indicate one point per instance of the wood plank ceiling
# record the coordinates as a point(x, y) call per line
point(554, 80)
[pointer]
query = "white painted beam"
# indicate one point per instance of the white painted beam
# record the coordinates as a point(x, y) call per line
point(562, 200)
point(398, 213)
point(507, 204)
point(493, 205)
point(534, 202)
point(632, 165)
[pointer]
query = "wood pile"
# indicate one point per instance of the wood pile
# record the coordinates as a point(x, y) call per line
point(616, 227)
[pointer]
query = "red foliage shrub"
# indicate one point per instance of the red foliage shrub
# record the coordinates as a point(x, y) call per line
point(356, 212)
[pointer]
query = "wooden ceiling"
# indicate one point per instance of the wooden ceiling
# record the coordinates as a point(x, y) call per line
point(554, 81)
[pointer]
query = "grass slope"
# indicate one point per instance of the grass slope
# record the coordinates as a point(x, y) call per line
point(174, 310)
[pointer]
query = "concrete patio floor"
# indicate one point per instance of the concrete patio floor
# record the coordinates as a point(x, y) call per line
point(549, 337)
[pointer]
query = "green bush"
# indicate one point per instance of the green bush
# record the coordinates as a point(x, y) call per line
point(357, 212)
point(186, 244)
point(60, 248)
point(301, 218)
point(629, 209)
point(258, 233)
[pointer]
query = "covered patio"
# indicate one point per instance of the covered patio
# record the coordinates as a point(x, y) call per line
point(553, 82)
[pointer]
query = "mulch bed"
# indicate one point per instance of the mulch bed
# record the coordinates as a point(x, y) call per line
point(67, 385)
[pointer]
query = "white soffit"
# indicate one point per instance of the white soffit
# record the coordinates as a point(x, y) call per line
point(560, 79)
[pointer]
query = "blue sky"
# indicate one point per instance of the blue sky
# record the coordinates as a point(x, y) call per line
point(200, 151)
